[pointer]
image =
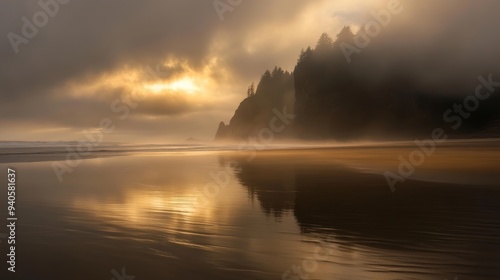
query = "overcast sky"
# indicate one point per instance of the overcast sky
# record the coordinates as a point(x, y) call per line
point(184, 64)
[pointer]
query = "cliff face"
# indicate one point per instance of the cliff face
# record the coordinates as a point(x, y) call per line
point(274, 92)
point(374, 96)
point(339, 100)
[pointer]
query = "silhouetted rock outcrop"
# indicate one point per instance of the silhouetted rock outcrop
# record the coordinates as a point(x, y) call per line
point(221, 131)
point(274, 92)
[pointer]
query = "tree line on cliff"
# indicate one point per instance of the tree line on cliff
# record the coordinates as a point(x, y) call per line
point(374, 95)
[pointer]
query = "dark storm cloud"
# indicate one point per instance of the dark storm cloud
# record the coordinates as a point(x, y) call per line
point(86, 39)
point(91, 37)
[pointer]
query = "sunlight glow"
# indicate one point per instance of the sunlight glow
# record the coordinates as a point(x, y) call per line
point(183, 86)
point(186, 85)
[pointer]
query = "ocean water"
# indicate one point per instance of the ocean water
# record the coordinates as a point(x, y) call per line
point(281, 212)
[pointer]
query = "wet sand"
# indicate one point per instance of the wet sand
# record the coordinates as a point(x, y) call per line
point(152, 213)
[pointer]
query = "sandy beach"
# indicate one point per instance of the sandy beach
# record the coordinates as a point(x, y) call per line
point(229, 214)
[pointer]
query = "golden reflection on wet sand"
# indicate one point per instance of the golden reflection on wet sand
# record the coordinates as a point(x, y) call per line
point(141, 211)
